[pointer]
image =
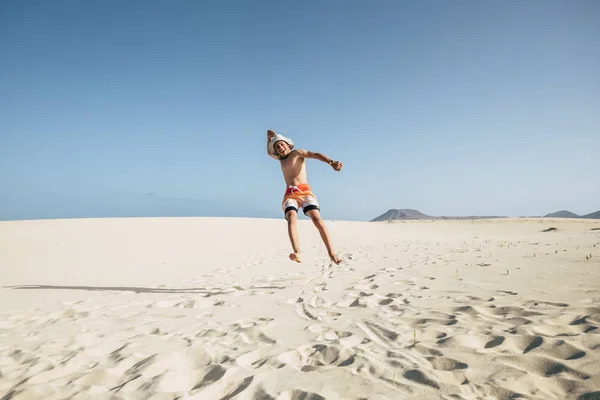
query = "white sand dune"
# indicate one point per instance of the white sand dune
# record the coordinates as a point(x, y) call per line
point(208, 308)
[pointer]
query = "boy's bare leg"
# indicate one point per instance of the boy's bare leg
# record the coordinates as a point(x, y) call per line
point(315, 216)
point(292, 219)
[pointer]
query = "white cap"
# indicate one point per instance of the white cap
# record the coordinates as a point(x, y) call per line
point(276, 139)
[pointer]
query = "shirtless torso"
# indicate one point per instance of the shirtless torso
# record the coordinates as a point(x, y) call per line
point(294, 169)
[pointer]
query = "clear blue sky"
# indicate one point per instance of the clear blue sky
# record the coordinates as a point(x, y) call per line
point(136, 108)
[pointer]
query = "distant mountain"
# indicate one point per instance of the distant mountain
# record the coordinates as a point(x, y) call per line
point(569, 214)
point(405, 214)
point(594, 215)
point(562, 214)
point(410, 214)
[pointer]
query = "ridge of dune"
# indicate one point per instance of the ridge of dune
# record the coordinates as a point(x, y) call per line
point(209, 308)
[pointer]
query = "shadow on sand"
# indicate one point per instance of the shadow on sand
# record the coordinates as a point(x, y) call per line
point(123, 289)
point(135, 289)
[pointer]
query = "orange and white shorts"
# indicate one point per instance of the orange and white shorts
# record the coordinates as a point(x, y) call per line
point(299, 196)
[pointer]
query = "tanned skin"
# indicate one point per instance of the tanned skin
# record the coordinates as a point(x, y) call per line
point(293, 166)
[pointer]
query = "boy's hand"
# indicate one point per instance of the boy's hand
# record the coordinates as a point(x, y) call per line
point(337, 165)
point(270, 134)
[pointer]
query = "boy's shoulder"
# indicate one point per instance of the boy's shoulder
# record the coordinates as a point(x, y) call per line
point(295, 153)
point(299, 152)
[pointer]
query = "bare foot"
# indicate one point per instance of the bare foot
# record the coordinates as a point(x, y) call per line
point(335, 259)
point(295, 257)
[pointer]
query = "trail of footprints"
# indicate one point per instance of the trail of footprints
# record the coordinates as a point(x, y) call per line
point(386, 334)
point(529, 345)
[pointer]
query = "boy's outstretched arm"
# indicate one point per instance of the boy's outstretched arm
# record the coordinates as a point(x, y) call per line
point(270, 135)
point(337, 165)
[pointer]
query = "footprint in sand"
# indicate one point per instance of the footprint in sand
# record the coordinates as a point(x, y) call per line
point(261, 358)
point(255, 336)
point(383, 336)
point(420, 378)
point(446, 364)
point(471, 341)
point(522, 344)
point(310, 357)
point(566, 330)
point(303, 313)
point(541, 366)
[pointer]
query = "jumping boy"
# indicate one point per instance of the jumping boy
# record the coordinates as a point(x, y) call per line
point(298, 193)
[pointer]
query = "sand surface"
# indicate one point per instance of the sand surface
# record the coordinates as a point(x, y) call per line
point(208, 308)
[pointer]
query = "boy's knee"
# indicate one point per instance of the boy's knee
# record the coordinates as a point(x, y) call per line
point(315, 217)
point(291, 216)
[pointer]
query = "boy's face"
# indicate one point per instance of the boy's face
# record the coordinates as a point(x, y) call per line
point(281, 147)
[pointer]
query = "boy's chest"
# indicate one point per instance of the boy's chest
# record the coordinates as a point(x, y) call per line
point(292, 165)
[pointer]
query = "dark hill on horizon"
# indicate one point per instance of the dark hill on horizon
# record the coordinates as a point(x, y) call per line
point(562, 214)
point(406, 214)
point(569, 214)
point(594, 215)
